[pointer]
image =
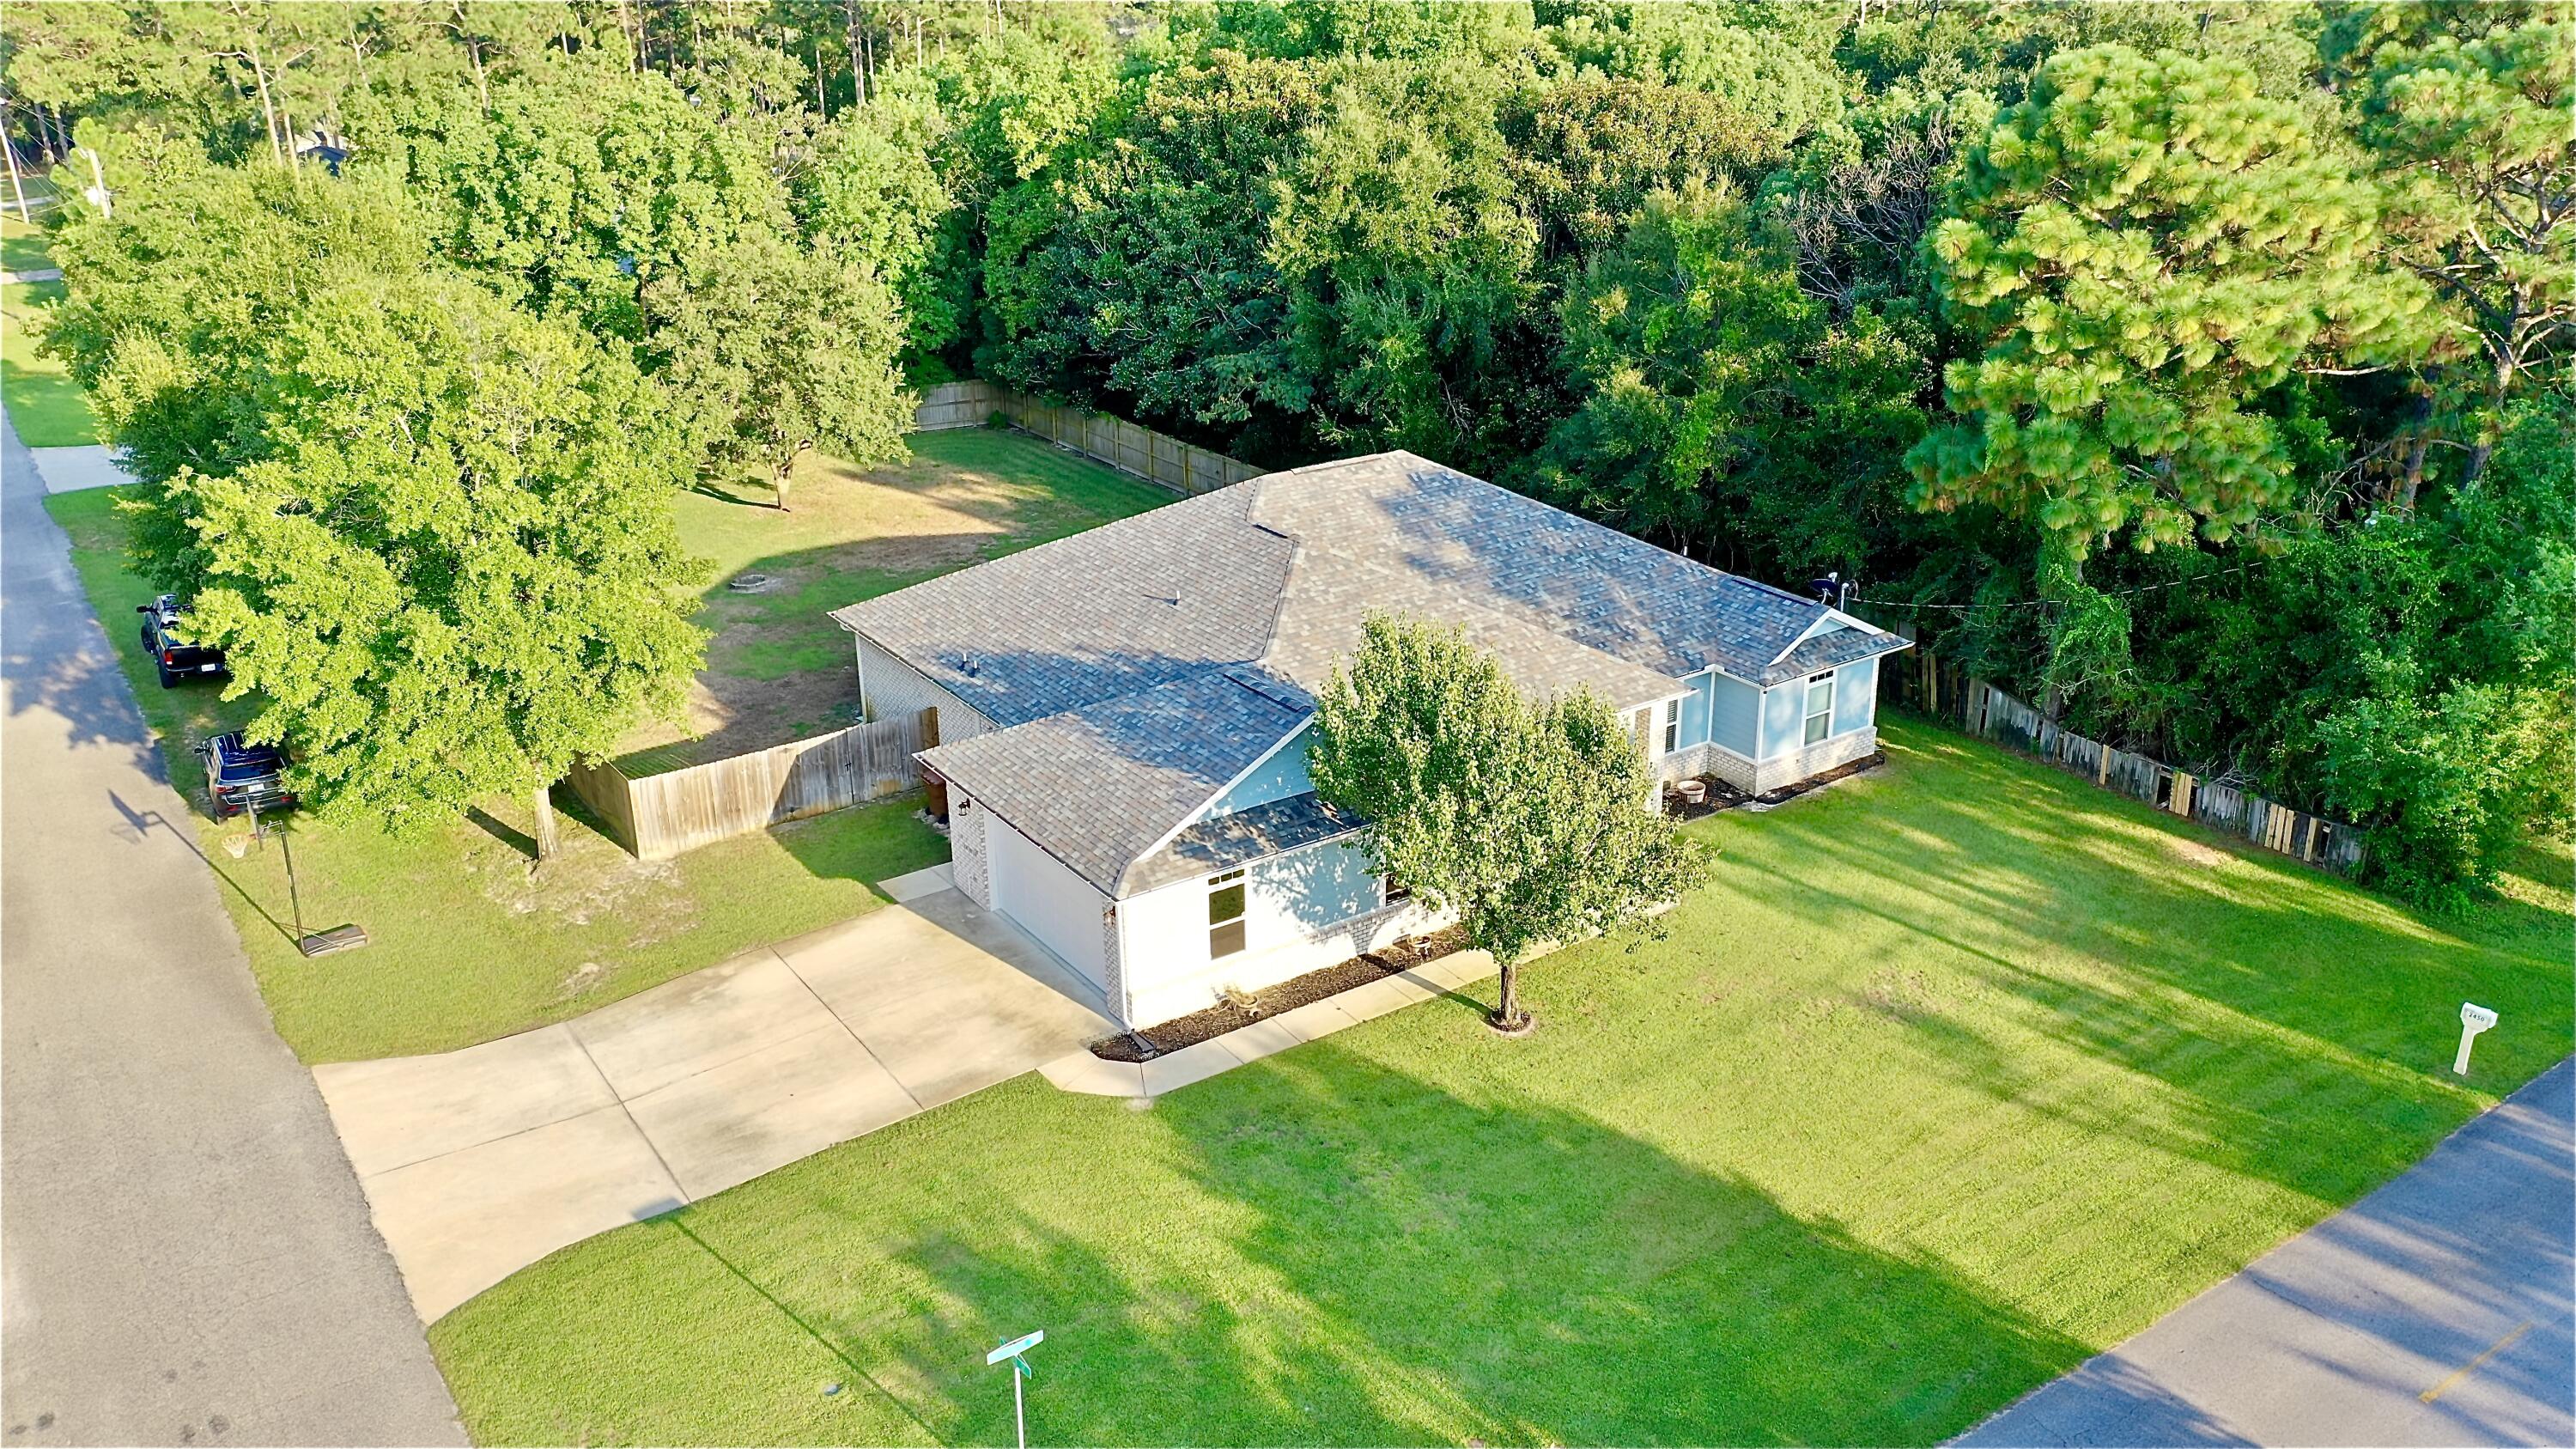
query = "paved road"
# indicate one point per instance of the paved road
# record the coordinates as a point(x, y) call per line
point(2435, 1311)
point(185, 1256)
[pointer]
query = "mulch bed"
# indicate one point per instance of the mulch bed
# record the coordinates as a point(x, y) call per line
point(1723, 796)
point(1288, 995)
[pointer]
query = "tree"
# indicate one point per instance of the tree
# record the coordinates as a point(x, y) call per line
point(778, 350)
point(1532, 823)
point(2144, 246)
point(1723, 409)
point(2465, 109)
point(452, 570)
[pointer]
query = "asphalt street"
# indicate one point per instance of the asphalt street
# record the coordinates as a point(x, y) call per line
point(185, 1257)
point(2435, 1311)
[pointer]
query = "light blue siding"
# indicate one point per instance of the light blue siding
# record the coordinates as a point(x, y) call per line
point(1277, 778)
point(1855, 696)
point(1320, 886)
point(1784, 718)
point(1695, 712)
point(1735, 715)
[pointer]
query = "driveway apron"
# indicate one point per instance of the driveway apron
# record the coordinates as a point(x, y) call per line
point(480, 1161)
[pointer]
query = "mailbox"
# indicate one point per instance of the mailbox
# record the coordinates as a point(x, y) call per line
point(2473, 1019)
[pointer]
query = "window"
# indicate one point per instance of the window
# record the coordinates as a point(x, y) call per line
point(1225, 914)
point(1820, 708)
point(1392, 892)
point(1672, 725)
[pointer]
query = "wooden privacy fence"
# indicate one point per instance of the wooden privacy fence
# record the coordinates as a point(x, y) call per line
point(659, 816)
point(1128, 447)
point(1933, 686)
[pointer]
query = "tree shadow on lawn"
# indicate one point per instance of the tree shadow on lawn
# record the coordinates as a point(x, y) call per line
point(2303, 1029)
point(1394, 1265)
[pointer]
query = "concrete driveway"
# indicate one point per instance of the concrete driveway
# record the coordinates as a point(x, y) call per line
point(481, 1161)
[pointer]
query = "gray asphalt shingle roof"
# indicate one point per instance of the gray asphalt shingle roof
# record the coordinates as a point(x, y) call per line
point(1222, 843)
point(1095, 787)
point(1103, 657)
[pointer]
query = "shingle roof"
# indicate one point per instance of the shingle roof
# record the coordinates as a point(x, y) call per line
point(1226, 841)
point(1096, 786)
point(1126, 606)
point(1104, 657)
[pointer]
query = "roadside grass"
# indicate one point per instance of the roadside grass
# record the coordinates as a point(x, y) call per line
point(22, 246)
point(48, 408)
point(1955, 1074)
point(466, 944)
point(778, 668)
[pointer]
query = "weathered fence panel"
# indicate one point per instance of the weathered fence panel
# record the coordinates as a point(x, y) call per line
point(1128, 447)
point(659, 816)
point(1933, 686)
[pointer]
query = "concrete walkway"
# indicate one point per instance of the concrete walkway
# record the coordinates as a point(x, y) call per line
point(481, 1161)
point(70, 470)
point(187, 1254)
point(2434, 1311)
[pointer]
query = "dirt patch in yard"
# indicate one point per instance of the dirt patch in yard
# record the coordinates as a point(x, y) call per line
point(778, 668)
point(1288, 995)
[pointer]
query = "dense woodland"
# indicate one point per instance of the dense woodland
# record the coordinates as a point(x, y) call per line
point(2195, 368)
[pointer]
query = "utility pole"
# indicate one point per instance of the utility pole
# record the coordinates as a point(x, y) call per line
point(16, 188)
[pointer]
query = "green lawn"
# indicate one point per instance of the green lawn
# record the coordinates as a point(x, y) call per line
point(22, 246)
point(1953, 1076)
point(48, 408)
point(466, 945)
point(778, 668)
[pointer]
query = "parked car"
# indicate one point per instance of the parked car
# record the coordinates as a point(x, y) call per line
point(166, 640)
point(243, 777)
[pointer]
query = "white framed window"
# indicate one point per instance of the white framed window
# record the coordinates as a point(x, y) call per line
point(1225, 914)
point(1392, 892)
point(1820, 708)
point(1672, 725)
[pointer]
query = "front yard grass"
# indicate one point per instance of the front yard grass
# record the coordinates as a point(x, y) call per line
point(778, 668)
point(1954, 1075)
point(46, 406)
point(468, 946)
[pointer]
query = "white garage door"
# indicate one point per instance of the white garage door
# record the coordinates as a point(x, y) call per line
point(1048, 900)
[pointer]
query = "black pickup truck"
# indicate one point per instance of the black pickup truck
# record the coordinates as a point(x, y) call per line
point(243, 777)
point(166, 640)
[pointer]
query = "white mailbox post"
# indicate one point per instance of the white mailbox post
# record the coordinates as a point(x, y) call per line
point(2473, 1019)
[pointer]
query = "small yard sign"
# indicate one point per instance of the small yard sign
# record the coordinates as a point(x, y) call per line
point(1019, 1370)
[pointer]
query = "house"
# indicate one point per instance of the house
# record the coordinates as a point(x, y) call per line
point(1122, 712)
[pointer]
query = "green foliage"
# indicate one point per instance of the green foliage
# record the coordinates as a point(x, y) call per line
point(2145, 245)
point(774, 350)
point(2190, 272)
point(174, 302)
point(449, 573)
point(1722, 407)
point(2465, 108)
point(1532, 823)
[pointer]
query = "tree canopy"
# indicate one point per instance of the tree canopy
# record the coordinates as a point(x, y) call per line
point(1534, 821)
point(2181, 365)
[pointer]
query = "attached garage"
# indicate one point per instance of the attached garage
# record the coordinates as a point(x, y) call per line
point(1047, 900)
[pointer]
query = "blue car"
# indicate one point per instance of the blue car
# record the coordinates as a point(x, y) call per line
point(244, 777)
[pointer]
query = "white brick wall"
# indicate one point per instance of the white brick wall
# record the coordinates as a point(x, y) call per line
point(1788, 769)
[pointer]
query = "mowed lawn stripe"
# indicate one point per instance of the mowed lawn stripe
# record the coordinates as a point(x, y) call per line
point(1954, 1075)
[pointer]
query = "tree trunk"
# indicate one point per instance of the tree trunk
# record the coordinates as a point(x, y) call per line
point(1508, 1015)
point(549, 842)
